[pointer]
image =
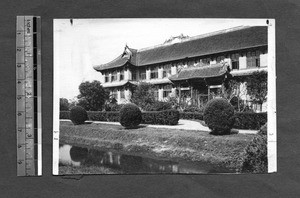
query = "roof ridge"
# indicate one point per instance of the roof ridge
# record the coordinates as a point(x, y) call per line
point(209, 34)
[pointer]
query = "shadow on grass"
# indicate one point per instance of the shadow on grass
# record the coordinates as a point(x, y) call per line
point(231, 132)
point(137, 127)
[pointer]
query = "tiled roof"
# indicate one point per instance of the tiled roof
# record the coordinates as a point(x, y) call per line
point(201, 72)
point(245, 72)
point(241, 38)
point(117, 62)
point(115, 84)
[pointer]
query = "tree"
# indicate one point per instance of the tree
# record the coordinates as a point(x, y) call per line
point(92, 95)
point(257, 87)
point(64, 104)
point(143, 95)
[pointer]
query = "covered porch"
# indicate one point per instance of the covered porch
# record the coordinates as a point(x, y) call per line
point(198, 85)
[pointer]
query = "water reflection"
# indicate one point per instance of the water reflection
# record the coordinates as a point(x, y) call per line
point(76, 156)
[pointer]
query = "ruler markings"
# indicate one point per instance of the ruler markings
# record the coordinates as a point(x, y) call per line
point(28, 111)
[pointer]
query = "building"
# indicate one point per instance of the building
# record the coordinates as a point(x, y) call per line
point(192, 68)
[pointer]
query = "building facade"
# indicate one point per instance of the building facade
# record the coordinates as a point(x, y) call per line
point(191, 68)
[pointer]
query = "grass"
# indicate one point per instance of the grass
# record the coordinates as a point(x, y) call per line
point(70, 170)
point(226, 150)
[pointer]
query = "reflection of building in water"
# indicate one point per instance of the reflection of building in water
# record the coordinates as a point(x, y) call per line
point(76, 156)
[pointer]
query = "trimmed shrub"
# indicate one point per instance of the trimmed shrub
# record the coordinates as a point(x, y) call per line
point(256, 159)
point(219, 116)
point(78, 115)
point(110, 116)
point(191, 116)
point(158, 106)
point(113, 116)
point(249, 120)
point(64, 115)
point(193, 108)
point(130, 116)
point(167, 117)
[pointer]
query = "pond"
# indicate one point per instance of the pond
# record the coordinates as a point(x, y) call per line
point(132, 164)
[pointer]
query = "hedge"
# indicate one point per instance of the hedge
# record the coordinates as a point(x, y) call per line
point(191, 115)
point(109, 116)
point(64, 115)
point(242, 120)
point(250, 120)
point(167, 117)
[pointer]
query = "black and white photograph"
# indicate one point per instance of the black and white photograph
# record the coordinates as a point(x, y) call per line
point(164, 96)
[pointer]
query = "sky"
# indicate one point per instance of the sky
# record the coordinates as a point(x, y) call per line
point(88, 42)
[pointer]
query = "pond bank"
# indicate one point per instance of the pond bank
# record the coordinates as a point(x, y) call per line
point(175, 144)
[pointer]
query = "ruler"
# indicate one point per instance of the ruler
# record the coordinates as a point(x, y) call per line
point(28, 96)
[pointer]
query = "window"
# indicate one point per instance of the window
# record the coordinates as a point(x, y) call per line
point(134, 73)
point(154, 73)
point(142, 75)
point(114, 94)
point(235, 61)
point(122, 75)
point(167, 71)
point(167, 91)
point(123, 94)
point(106, 77)
point(220, 58)
point(253, 59)
point(114, 76)
point(156, 94)
point(204, 62)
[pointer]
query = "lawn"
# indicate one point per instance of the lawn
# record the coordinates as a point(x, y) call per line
point(227, 150)
point(71, 170)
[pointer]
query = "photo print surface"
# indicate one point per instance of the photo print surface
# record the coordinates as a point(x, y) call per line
point(164, 96)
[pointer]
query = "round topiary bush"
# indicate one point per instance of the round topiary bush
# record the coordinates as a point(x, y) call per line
point(130, 116)
point(219, 116)
point(78, 115)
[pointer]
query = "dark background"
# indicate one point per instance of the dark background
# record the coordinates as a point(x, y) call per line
point(285, 183)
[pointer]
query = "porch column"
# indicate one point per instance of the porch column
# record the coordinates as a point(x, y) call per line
point(160, 94)
point(148, 74)
point(191, 88)
point(179, 97)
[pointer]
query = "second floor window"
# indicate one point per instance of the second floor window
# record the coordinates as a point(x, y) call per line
point(253, 59)
point(235, 61)
point(154, 73)
point(134, 75)
point(106, 77)
point(114, 76)
point(122, 75)
point(142, 75)
point(166, 71)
